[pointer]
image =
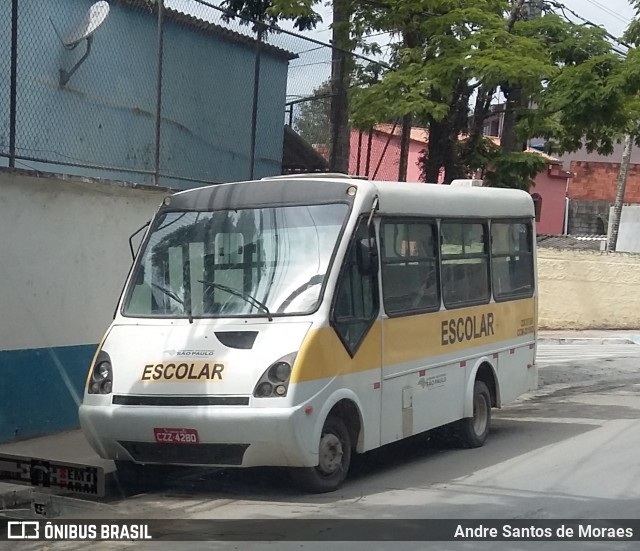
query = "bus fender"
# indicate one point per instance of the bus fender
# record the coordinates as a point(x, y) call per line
point(328, 405)
point(473, 373)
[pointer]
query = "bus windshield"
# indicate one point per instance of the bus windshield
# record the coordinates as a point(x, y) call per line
point(241, 262)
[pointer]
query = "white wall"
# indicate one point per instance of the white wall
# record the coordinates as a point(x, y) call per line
point(629, 230)
point(64, 255)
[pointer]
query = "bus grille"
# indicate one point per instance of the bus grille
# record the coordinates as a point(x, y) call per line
point(186, 454)
point(128, 400)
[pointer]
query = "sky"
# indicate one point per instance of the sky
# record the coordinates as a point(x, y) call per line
point(614, 15)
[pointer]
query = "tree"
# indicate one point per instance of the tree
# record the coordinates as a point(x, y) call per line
point(340, 71)
point(313, 121)
point(271, 11)
point(562, 81)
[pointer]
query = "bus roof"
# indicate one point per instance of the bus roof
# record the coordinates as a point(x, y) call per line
point(441, 200)
point(394, 197)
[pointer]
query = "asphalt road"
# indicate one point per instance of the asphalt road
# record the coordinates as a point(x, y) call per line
point(568, 451)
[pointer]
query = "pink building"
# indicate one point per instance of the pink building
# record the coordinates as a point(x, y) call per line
point(376, 155)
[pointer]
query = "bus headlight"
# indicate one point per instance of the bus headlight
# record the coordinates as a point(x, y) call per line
point(101, 380)
point(279, 372)
point(275, 380)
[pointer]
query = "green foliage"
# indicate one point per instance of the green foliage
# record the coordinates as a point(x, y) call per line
point(313, 119)
point(478, 156)
point(271, 11)
point(514, 170)
point(567, 84)
point(564, 82)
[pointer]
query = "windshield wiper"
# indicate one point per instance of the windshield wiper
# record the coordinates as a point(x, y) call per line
point(315, 280)
point(175, 297)
point(245, 296)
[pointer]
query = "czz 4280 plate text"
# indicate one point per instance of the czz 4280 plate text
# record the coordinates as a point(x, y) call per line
point(176, 436)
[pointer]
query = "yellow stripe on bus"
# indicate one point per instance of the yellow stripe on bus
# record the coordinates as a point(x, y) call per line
point(414, 337)
point(408, 338)
point(323, 355)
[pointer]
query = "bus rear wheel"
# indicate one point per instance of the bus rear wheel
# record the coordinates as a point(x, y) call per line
point(472, 432)
point(334, 458)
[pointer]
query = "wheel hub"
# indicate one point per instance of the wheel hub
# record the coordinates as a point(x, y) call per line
point(331, 453)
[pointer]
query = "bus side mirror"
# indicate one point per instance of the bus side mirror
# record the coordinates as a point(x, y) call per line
point(367, 256)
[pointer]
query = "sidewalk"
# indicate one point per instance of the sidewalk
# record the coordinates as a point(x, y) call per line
point(590, 336)
point(72, 447)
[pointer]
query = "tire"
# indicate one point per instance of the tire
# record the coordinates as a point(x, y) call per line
point(472, 432)
point(334, 460)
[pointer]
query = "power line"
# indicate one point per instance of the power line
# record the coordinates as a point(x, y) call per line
point(309, 64)
point(585, 21)
point(609, 11)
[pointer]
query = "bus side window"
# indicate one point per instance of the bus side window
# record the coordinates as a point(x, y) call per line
point(409, 266)
point(512, 260)
point(356, 302)
point(465, 263)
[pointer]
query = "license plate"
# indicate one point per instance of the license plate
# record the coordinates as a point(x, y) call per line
point(176, 436)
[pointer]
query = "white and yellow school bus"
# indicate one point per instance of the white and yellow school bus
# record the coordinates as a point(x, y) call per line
point(296, 321)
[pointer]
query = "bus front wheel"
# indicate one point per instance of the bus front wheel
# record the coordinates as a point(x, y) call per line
point(472, 431)
point(334, 458)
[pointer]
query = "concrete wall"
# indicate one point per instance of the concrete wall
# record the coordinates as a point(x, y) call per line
point(65, 255)
point(588, 290)
point(588, 217)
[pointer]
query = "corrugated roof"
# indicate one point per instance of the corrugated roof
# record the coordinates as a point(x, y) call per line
point(300, 156)
point(206, 27)
point(421, 135)
point(496, 140)
point(581, 242)
point(417, 134)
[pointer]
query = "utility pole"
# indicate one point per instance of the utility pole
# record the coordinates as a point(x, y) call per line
point(339, 116)
point(159, 52)
point(532, 9)
point(622, 184)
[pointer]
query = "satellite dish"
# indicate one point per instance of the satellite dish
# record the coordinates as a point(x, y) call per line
point(95, 17)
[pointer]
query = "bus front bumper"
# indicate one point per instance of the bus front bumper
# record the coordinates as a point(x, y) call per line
point(227, 435)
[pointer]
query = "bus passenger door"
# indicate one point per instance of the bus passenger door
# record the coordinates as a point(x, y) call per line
point(355, 318)
point(415, 391)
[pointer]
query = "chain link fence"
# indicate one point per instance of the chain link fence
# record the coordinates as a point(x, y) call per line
point(174, 93)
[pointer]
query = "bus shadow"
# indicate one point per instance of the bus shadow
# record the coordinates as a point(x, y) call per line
point(420, 461)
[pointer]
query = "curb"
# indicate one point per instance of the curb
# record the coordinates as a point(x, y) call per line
point(589, 340)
